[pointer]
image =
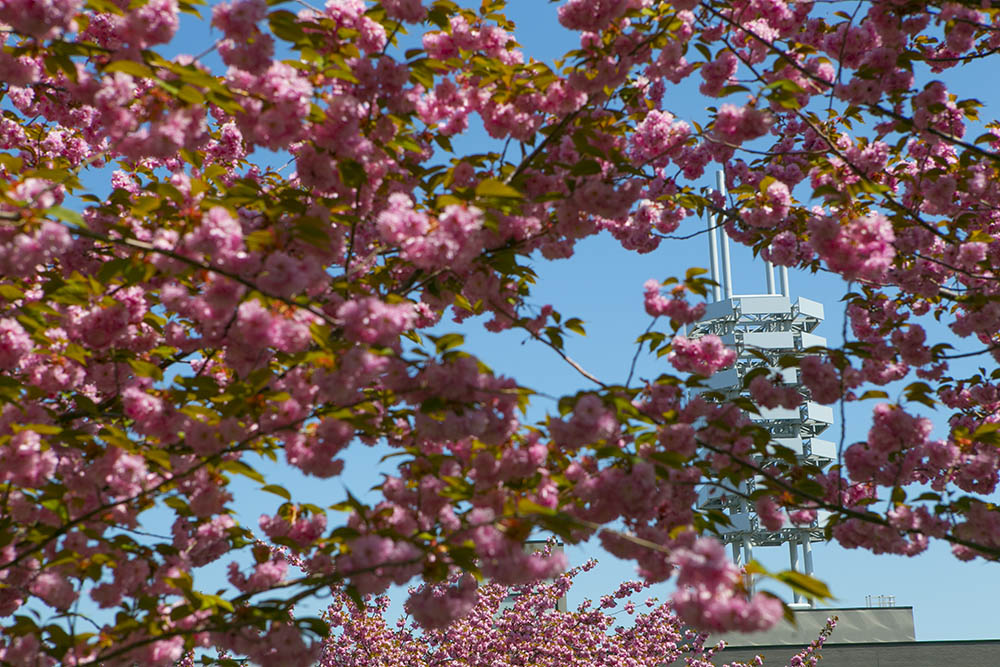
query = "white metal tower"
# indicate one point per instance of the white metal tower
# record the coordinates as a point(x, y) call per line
point(772, 324)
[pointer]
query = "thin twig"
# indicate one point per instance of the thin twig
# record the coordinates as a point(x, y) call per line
point(638, 351)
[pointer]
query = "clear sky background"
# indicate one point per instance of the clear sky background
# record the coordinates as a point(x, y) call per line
point(602, 284)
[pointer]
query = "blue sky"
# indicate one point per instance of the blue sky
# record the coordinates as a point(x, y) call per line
point(602, 284)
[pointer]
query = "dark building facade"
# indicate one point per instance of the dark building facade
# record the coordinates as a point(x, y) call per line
point(864, 637)
point(972, 653)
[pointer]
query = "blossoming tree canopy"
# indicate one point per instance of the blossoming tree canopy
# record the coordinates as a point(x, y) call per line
point(202, 308)
point(517, 626)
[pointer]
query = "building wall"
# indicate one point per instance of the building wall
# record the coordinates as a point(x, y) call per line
point(972, 653)
point(854, 624)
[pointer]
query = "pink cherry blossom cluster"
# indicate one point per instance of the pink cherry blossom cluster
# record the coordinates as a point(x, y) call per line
point(659, 139)
point(703, 356)
point(245, 46)
point(706, 579)
point(40, 19)
point(435, 607)
point(861, 248)
point(769, 394)
point(451, 240)
point(595, 16)
point(676, 308)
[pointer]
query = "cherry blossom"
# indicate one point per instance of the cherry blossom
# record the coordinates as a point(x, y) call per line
point(218, 272)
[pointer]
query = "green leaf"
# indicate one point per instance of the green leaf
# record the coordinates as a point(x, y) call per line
point(351, 504)
point(352, 173)
point(130, 67)
point(241, 468)
point(181, 582)
point(146, 369)
point(873, 393)
point(41, 429)
point(313, 231)
point(277, 490)
point(526, 506)
point(803, 583)
point(491, 187)
point(285, 26)
point(13, 163)
point(586, 168)
point(191, 95)
point(224, 102)
point(54, 63)
point(448, 341)
point(465, 557)
point(693, 272)
point(10, 293)
point(66, 215)
point(104, 7)
point(575, 324)
point(213, 601)
point(314, 625)
point(986, 428)
point(189, 8)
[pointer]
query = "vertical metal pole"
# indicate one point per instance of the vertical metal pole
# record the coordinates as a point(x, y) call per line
point(736, 554)
point(783, 277)
point(748, 556)
point(727, 269)
point(807, 554)
point(769, 275)
point(727, 281)
point(713, 258)
point(793, 563)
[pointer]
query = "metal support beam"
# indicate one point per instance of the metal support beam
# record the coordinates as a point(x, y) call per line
point(793, 563)
point(748, 556)
point(713, 258)
point(727, 268)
